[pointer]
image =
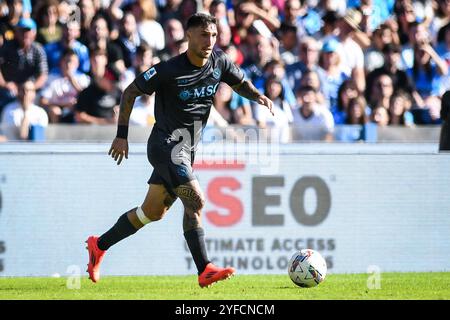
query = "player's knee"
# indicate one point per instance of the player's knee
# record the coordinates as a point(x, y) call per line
point(199, 204)
point(195, 206)
point(155, 215)
point(146, 216)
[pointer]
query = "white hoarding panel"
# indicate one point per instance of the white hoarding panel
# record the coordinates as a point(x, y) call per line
point(358, 210)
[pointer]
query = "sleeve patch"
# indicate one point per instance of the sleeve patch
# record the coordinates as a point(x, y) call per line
point(149, 74)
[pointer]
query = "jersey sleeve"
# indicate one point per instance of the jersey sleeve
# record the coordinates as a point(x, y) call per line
point(149, 81)
point(231, 74)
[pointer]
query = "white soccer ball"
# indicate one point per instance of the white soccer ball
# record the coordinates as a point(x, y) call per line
point(307, 268)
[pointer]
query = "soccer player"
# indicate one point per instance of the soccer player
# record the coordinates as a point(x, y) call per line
point(184, 88)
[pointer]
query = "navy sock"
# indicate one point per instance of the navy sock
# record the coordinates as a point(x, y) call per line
point(122, 229)
point(195, 239)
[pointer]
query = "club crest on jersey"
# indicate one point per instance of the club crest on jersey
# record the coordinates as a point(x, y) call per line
point(217, 73)
point(184, 95)
point(200, 92)
point(149, 74)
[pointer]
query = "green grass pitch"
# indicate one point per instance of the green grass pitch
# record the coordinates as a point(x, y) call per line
point(241, 287)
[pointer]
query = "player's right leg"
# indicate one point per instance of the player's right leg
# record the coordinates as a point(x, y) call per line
point(193, 201)
point(155, 206)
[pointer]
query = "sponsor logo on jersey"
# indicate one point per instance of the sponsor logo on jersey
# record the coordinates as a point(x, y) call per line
point(184, 95)
point(200, 92)
point(149, 74)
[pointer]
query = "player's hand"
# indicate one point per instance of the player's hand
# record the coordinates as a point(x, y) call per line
point(266, 102)
point(119, 149)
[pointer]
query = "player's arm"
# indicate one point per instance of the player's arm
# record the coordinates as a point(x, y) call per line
point(248, 90)
point(119, 147)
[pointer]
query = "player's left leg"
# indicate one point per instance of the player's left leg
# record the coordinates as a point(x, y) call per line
point(157, 202)
point(193, 200)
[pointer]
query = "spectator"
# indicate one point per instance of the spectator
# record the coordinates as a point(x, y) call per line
point(375, 12)
point(346, 92)
point(417, 34)
point(149, 29)
point(60, 93)
point(243, 23)
point(7, 23)
point(406, 20)
point(426, 73)
point(276, 68)
point(373, 56)
point(262, 53)
point(291, 12)
point(288, 44)
point(234, 54)
point(443, 50)
point(330, 62)
point(441, 17)
point(298, 13)
point(311, 78)
point(142, 61)
point(71, 32)
point(128, 39)
point(380, 116)
point(356, 112)
point(355, 118)
point(174, 32)
point(187, 8)
point(401, 81)
point(382, 91)
point(67, 11)
point(20, 60)
point(264, 11)
point(234, 108)
point(330, 26)
point(143, 113)
point(87, 13)
point(311, 120)
point(19, 116)
point(98, 103)
point(170, 10)
point(143, 109)
point(350, 52)
point(443, 43)
point(49, 29)
point(218, 9)
point(399, 113)
point(279, 122)
point(181, 46)
point(308, 60)
point(100, 37)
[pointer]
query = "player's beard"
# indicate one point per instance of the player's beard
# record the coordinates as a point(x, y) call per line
point(202, 53)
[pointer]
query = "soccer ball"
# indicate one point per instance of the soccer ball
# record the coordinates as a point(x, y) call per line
point(307, 268)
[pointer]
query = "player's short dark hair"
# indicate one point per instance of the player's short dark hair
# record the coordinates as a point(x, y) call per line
point(200, 19)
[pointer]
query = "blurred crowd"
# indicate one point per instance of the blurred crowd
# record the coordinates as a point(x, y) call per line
point(323, 62)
